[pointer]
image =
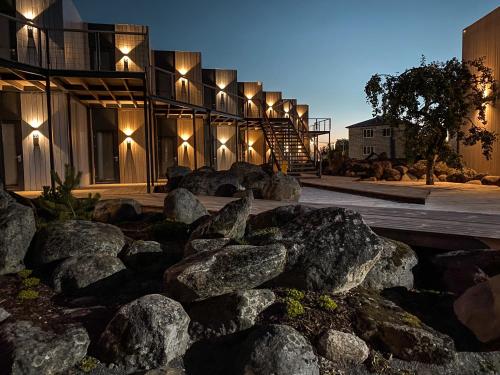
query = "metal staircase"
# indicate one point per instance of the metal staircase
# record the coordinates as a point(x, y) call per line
point(294, 152)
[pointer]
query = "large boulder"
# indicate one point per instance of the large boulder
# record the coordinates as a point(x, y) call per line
point(394, 267)
point(277, 217)
point(242, 169)
point(205, 244)
point(491, 180)
point(76, 273)
point(462, 176)
point(282, 188)
point(17, 228)
point(329, 249)
point(229, 222)
point(234, 268)
point(181, 205)
point(277, 350)
point(392, 175)
point(4, 315)
point(462, 269)
point(419, 169)
point(229, 313)
point(382, 323)
point(147, 333)
point(175, 175)
point(342, 347)
point(478, 309)
point(379, 167)
point(257, 182)
point(31, 351)
point(71, 238)
point(116, 210)
point(206, 181)
point(142, 255)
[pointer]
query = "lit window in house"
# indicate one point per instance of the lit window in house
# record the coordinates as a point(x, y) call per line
point(387, 132)
point(367, 133)
point(368, 150)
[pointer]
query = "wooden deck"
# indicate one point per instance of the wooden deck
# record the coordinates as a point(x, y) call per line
point(447, 229)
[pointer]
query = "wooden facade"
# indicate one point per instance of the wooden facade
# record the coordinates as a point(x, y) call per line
point(113, 118)
point(482, 40)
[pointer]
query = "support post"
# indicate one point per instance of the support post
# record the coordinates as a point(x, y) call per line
point(146, 133)
point(70, 132)
point(48, 94)
point(195, 146)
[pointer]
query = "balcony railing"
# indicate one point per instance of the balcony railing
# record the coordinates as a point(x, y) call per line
point(125, 49)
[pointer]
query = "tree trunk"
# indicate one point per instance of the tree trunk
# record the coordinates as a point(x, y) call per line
point(431, 162)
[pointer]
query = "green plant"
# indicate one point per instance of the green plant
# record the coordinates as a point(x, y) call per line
point(294, 308)
point(88, 364)
point(31, 282)
point(327, 303)
point(24, 274)
point(59, 203)
point(28, 294)
point(295, 294)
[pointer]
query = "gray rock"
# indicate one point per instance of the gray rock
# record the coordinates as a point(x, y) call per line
point(17, 229)
point(394, 267)
point(341, 347)
point(143, 254)
point(181, 205)
point(4, 315)
point(242, 169)
point(200, 245)
point(175, 175)
point(266, 236)
point(33, 351)
point(329, 249)
point(392, 175)
point(71, 238)
point(477, 309)
point(402, 169)
point(116, 210)
point(147, 333)
point(381, 322)
point(206, 181)
point(491, 180)
point(229, 222)
point(282, 188)
point(277, 217)
point(465, 363)
point(232, 269)
point(462, 269)
point(277, 350)
point(80, 272)
point(164, 371)
point(419, 169)
point(229, 313)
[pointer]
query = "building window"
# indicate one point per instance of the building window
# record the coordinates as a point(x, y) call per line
point(367, 133)
point(387, 132)
point(368, 150)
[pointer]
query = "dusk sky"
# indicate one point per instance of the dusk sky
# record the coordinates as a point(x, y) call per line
point(320, 52)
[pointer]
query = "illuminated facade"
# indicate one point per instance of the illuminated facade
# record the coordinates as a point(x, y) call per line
point(97, 97)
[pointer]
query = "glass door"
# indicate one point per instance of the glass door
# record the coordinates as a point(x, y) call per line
point(11, 156)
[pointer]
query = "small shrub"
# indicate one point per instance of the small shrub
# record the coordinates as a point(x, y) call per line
point(24, 274)
point(295, 294)
point(327, 303)
point(294, 308)
point(31, 282)
point(28, 294)
point(88, 364)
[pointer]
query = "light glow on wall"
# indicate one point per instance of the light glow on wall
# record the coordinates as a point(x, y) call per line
point(182, 71)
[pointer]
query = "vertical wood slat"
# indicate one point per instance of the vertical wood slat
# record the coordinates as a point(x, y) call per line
point(133, 156)
point(34, 118)
point(482, 39)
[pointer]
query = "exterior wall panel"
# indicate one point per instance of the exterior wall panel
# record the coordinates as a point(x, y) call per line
point(482, 39)
point(132, 155)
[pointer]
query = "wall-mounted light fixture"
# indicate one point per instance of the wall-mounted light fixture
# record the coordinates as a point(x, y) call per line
point(126, 63)
point(36, 138)
point(128, 141)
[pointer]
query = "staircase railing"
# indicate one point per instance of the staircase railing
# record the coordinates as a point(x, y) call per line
point(272, 140)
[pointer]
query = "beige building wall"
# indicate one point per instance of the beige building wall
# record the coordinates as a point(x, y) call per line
point(482, 39)
point(379, 142)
